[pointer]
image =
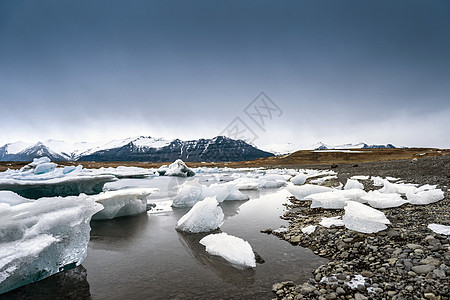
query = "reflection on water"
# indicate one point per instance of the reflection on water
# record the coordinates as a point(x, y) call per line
point(238, 277)
point(71, 284)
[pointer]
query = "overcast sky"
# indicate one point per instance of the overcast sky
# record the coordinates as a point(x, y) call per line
point(339, 71)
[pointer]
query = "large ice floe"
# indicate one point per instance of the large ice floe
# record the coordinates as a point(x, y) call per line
point(204, 216)
point(233, 249)
point(41, 178)
point(127, 202)
point(177, 168)
point(362, 218)
point(39, 238)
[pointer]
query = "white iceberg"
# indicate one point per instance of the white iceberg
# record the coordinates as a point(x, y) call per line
point(204, 216)
point(246, 183)
point(233, 249)
point(299, 179)
point(362, 218)
point(192, 192)
point(177, 168)
point(300, 192)
point(42, 237)
point(360, 177)
point(309, 229)
point(328, 222)
point(353, 184)
point(127, 202)
point(440, 229)
point(384, 200)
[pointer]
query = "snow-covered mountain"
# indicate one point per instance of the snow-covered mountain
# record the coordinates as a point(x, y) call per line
point(322, 146)
point(140, 148)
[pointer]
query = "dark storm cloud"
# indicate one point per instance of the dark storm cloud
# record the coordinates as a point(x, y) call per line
point(187, 68)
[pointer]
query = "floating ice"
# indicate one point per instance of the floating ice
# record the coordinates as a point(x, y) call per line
point(192, 192)
point(362, 218)
point(64, 186)
point(300, 192)
point(299, 179)
point(425, 197)
point(121, 203)
point(440, 229)
point(204, 216)
point(44, 168)
point(328, 222)
point(336, 199)
point(281, 230)
point(42, 237)
point(233, 249)
point(246, 183)
point(177, 168)
point(382, 200)
point(309, 229)
point(353, 184)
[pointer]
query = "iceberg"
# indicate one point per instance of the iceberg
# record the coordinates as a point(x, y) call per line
point(300, 192)
point(299, 179)
point(353, 184)
point(362, 218)
point(64, 186)
point(177, 168)
point(233, 249)
point(204, 216)
point(440, 229)
point(332, 221)
point(51, 233)
point(192, 192)
point(321, 180)
point(383, 200)
point(246, 183)
point(127, 202)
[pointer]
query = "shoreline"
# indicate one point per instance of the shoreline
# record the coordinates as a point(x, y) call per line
point(405, 261)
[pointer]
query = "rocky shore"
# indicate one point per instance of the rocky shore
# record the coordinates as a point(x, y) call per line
point(405, 261)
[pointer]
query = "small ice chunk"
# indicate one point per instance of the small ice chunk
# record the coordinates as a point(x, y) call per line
point(309, 229)
point(233, 249)
point(204, 216)
point(300, 192)
point(425, 197)
point(38, 161)
point(328, 222)
point(353, 184)
point(299, 179)
point(177, 168)
point(189, 193)
point(11, 198)
point(321, 180)
point(383, 200)
point(236, 195)
point(281, 230)
point(440, 229)
point(246, 183)
point(362, 218)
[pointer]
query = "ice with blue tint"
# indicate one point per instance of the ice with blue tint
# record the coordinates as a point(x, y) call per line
point(39, 238)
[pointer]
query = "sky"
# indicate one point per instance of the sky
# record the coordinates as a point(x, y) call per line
point(333, 71)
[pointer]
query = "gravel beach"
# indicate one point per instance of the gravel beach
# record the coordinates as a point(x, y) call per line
point(405, 261)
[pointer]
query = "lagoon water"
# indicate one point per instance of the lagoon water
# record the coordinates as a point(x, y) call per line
point(144, 257)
